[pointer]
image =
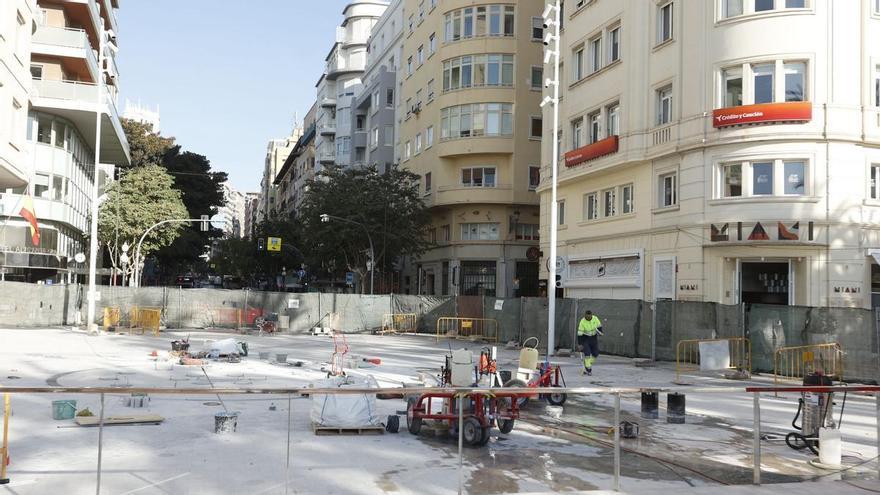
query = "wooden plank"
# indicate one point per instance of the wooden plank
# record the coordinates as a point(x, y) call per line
point(361, 430)
point(119, 420)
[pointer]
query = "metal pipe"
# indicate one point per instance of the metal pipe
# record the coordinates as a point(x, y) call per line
point(756, 428)
point(287, 466)
point(460, 443)
point(616, 486)
point(100, 445)
point(877, 417)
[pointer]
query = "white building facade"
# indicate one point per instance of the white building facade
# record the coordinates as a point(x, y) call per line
point(730, 153)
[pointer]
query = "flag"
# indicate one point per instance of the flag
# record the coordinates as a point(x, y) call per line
point(27, 212)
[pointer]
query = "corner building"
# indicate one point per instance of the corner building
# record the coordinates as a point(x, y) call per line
point(471, 128)
point(728, 153)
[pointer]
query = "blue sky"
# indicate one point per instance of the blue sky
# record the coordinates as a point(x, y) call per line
point(228, 76)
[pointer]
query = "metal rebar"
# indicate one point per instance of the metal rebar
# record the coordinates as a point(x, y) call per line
point(756, 428)
point(616, 486)
point(287, 466)
point(212, 386)
point(100, 445)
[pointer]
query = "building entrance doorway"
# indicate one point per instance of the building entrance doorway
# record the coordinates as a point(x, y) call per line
point(766, 282)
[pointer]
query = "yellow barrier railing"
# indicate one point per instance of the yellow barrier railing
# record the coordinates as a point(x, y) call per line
point(145, 319)
point(4, 447)
point(399, 323)
point(687, 354)
point(800, 361)
point(468, 328)
point(111, 317)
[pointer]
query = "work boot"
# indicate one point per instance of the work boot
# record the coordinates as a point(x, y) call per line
point(589, 371)
point(584, 371)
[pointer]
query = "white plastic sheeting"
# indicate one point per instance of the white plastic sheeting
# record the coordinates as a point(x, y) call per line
point(345, 411)
point(714, 355)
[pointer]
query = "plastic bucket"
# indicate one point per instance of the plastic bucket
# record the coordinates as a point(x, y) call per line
point(225, 422)
point(244, 348)
point(63, 409)
point(281, 358)
point(264, 356)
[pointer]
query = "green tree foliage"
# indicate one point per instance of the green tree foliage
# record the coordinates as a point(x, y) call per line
point(236, 257)
point(388, 205)
point(141, 198)
point(147, 147)
point(202, 194)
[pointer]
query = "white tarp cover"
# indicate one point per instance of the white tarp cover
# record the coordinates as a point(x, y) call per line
point(223, 347)
point(345, 411)
point(714, 355)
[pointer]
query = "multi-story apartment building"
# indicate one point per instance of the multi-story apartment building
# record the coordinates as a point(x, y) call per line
point(299, 168)
point(54, 97)
point(375, 123)
point(341, 81)
point(143, 114)
point(277, 152)
point(471, 87)
point(728, 153)
point(233, 212)
point(251, 205)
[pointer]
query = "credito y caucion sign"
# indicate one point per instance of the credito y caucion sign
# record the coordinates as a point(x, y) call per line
point(792, 111)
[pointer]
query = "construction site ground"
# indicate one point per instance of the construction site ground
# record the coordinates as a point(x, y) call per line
point(710, 453)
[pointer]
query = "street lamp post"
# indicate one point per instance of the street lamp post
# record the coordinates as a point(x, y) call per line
point(326, 218)
point(552, 19)
point(106, 42)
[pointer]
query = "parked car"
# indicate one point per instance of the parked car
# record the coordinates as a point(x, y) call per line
point(186, 281)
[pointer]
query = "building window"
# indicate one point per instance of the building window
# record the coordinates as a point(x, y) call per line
point(409, 65)
point(668, 191)
point(577, 133)
point(595, 54)
point(664, 22)
point(419, 99)
point(664, 105)
point(36, 71)
point(411, 22)
point(536, 127)
point(609, 203)
point(762, 178)
point(421, 55)
point(41, 186)
point(490, 20)
point(538, 77)
point(527, 232)
point(874, 193)
point(732, 8)
point(794, 177)
point(428, 182)
point(614, 44)
point(445, 233)
point(794, 80)
point(877, 82)
point(477, 71)
point(418, 143)
point(591, 206)
point(595, 127)
point(389, 135)
point(560, 212)
point(479, 119)
point(389, 97)
point(534, 177)
point(627, 199)
point(21, 34)
point(374, 137)
point(731, 180)
point(733, 87)
point(613, 113)
point(478, 177)
point(479, 232)
point(578, 64)
point(376, 100)
point(763, 82)
point(537, 28)
point(429, 137)
point(430, 91)
point(407, 150)
point(432, 44)
point(764, 5)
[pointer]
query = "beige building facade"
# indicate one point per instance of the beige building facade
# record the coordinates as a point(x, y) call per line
point(470, 86)
point(729, 153)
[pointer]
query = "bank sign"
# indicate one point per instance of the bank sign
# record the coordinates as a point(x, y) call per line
point(792, 111)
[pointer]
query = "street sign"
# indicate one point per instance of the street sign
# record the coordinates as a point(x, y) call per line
point(204, 223)
point(79, 258)
point(349, 278)
point(293, 304)
point(273, 244)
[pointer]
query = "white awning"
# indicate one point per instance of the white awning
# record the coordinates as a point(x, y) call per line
point(875, 253)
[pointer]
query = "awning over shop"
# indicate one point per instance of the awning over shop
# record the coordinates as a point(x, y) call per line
point(875, 253)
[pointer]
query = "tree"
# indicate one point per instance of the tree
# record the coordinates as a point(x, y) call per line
point(236, 257)
point(202, 194)
point(388, 207)
point(147, 147)
point(143, 197)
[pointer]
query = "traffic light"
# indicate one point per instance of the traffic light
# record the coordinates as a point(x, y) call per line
point(261, 244)
point(558, 281)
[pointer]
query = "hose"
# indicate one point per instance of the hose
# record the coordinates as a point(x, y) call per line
point(794, 421)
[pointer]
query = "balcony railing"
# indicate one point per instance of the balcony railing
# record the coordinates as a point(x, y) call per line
point(60, 36)
point(327, 129)
point(65, 90)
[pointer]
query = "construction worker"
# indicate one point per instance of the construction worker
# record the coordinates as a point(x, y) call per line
point(589, 329)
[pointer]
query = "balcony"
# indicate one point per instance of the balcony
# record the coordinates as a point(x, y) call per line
point(502, 145)
point(327, 129)
point(326, 157)
point(328, 102)
point(76, 102)
point(72, 46)
point(459, 194)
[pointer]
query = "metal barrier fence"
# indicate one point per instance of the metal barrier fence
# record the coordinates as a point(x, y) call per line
point(145, 319)
point(4, 447)
point(799, 361)
point(467, 328)
point(400, 323)
point(112, 317)
point(687, 354)
point(465, 392)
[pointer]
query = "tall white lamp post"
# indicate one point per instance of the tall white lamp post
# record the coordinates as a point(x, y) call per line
point(106, 41)
point(552, 17)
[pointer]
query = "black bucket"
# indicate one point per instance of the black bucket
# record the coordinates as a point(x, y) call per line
point(505, 375)
point(179, 345)
point(650, 405)
point(225, 422)
point(244, 348)
point(675, 408)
